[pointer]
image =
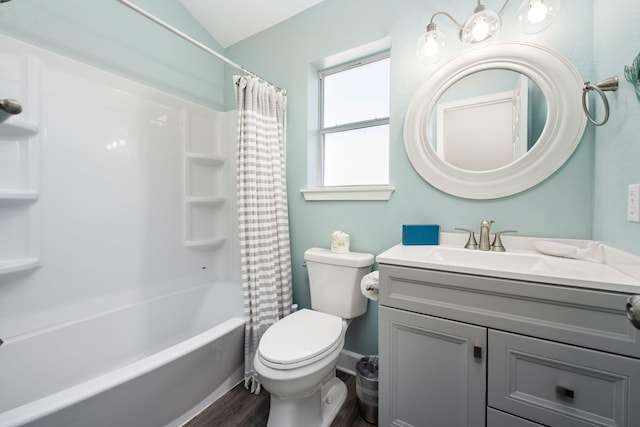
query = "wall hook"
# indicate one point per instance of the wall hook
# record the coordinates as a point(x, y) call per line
point(606, 85)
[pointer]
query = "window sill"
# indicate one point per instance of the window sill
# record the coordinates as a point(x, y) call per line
point(365, 192)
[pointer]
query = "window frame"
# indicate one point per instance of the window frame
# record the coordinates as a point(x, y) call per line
point(370, 123)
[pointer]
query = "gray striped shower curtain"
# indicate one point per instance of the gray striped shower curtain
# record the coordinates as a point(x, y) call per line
point(263, 222)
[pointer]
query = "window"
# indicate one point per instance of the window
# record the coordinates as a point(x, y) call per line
point(354, 123)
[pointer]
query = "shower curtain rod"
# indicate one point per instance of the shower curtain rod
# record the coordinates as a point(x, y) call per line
point(193, 41)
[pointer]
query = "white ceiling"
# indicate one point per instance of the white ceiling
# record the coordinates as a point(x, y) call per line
point(230, 21)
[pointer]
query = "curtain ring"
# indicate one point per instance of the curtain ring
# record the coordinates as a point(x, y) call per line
point(588, 87)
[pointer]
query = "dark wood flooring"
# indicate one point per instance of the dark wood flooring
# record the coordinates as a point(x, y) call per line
point(238, 407)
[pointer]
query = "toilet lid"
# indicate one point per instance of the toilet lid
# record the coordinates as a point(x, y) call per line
point(300, 336)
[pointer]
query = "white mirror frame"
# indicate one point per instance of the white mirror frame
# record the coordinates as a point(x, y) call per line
point(561, 85)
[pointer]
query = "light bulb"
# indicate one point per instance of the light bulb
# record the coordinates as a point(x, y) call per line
point(481, 26)
point(429, 46)
point(537, 12)
point(480, 29)
point(537, 15)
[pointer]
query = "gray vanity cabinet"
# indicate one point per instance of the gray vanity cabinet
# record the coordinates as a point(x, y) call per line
point(463, 350)
point(435, 369)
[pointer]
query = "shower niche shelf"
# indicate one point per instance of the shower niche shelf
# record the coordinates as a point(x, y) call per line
point(21, 264)
point(20, 150)
point(205, 159)
point(205, 201)
point(15, 128)
point(8, 198)
point(205, 244)
point(205, 195)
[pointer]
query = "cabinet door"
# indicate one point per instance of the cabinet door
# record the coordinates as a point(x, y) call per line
point(432, 371)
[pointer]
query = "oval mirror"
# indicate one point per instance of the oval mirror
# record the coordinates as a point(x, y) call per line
point(496, 121)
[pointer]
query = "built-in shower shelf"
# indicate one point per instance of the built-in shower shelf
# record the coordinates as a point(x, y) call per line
point(205, 159)
point(16, 128)
point(20, 264)
point(205, 244)
point(206, 166)
point(21, 138)
point(206, 201)
point(11, 197)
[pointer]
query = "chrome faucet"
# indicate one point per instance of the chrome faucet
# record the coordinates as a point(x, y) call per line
point(485, 226)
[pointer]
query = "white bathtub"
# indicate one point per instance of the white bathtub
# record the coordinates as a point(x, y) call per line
point(150, 364)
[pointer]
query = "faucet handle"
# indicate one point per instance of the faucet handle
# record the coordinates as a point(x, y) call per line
point(497, 246)
point(471, 243)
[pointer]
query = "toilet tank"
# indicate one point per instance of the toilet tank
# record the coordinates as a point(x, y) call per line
point(334, 281)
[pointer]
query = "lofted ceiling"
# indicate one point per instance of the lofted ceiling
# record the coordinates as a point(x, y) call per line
point(230, 21)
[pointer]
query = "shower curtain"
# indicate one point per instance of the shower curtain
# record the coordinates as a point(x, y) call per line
point(263, 221)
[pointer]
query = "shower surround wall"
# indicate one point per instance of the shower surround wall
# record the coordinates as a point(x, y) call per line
point(120, 193)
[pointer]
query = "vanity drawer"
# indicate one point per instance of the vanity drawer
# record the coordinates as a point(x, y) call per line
point(561, 385)
point(497, 418)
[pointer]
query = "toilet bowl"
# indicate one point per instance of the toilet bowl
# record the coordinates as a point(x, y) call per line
point(299, 374)
point(297, 356)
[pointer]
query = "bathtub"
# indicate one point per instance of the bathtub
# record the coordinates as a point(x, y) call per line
point(154, 363)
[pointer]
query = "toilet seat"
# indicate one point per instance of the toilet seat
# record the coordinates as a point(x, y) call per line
point(300, 339)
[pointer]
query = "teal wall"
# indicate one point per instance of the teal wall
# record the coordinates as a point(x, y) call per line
point(109, 35)
point(586, 198)
point(285, 55)
point(617, 155)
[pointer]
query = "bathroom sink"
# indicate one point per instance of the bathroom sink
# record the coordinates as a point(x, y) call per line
point(496, 261)
point(524, 263)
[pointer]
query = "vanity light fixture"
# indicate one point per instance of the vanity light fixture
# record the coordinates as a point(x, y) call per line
point(533, 16)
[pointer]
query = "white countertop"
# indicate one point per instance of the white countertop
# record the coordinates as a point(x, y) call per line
point(609, 269)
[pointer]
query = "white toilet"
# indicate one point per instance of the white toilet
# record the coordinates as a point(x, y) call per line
point(297, 356)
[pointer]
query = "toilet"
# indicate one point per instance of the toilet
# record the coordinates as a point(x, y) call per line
point(297, 356)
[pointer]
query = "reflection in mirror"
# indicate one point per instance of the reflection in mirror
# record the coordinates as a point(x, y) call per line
point(487, 120)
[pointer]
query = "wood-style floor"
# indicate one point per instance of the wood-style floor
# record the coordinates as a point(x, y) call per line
point(240, 408)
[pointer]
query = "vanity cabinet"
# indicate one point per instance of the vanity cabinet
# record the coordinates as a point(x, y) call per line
point(436, 370)
point(463, 350)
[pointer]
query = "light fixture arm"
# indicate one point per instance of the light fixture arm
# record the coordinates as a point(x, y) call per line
point(433, 24)
point(479, 7)
point(502, 8)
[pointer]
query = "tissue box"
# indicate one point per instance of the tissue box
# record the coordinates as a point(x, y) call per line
point(421, 234)
point(340, 242)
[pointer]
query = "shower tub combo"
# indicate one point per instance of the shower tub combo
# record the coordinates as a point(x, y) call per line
point(154, 363)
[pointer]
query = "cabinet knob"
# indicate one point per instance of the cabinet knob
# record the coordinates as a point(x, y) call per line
point(633, 310)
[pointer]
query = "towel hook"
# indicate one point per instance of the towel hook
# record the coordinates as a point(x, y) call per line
point(607, 85)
